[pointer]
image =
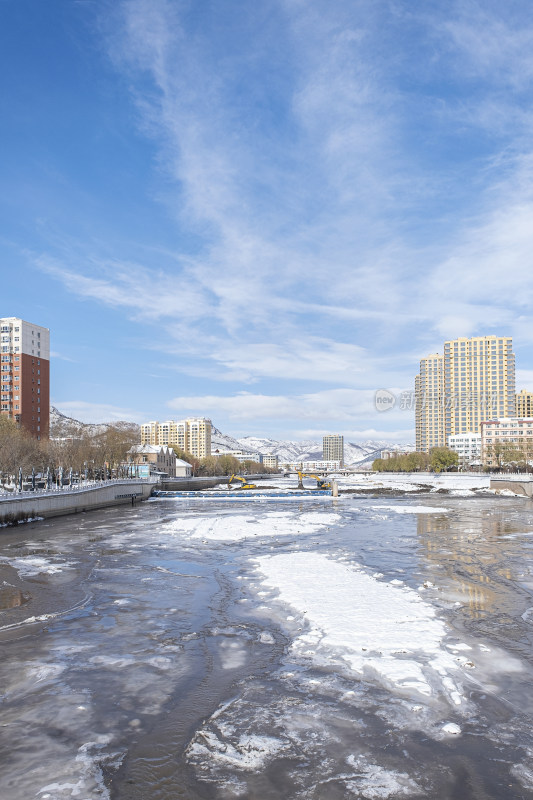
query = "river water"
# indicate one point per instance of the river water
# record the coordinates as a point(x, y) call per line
point(374, 646)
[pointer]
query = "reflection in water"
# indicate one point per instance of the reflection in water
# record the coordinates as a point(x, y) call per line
point(478, 554)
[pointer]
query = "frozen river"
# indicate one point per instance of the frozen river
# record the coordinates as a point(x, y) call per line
point(374, 646)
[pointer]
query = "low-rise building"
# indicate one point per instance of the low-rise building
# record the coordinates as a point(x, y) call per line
point(156, 458)
point(468, 448)
point(241, 456)
point(385, 455)
point(271, 461)
point(507, 440)
point(183, 469)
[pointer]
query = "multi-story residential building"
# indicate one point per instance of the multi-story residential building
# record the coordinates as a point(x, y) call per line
point(333, 448)
point(473, 382)
point(429, 403)
point(25, 374)
point(199, 437)
point(270, 461)
point(479, 380)
point(524, 404)
point(241, 455)
point(468, 448)
point(506, 440)
point(191, 435)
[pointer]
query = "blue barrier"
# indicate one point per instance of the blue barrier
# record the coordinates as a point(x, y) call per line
point(244, 494)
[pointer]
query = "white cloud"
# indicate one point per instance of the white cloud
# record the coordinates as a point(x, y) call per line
point(343, 405)
point(493, 42)
point(54, 354)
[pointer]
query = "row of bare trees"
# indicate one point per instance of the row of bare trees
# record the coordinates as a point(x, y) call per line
point(83, 453)
point(514, 456)
point(90, 454)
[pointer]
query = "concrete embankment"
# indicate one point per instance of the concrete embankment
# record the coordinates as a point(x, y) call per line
point(522, 486)
point(30, 505)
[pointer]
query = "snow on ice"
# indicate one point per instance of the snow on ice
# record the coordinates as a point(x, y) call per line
point(378, 630)
point(233, 527)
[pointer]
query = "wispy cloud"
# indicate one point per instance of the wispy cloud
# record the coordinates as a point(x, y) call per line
point(345, 190)
point(61, 357)
point(348, 406)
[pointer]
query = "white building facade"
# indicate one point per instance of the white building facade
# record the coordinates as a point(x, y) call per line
point(241, 456)
point(468, 448)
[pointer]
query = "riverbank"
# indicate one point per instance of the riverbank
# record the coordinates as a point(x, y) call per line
point(44, 504)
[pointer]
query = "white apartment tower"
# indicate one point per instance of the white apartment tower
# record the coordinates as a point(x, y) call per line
point(333, 448)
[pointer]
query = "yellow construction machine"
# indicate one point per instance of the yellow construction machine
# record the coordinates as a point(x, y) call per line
point(244, 483)
point(321, 483)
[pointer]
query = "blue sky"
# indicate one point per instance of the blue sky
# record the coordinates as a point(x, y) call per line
point(263, 212)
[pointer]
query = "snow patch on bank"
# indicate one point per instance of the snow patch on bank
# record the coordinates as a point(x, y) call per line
point(377, 630)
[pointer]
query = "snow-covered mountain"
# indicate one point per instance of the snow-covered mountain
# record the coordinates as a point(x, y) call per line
point(61, 425)
point(306, 450)
point(221, 442)
point(359, 453)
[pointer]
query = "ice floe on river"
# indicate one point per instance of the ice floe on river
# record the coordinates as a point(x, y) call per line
point(407, 509)
point(37, 565)
point(233, 527)
point(374, 628)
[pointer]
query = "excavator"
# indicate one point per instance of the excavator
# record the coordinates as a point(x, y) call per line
point(244, 483)
point(321, 483)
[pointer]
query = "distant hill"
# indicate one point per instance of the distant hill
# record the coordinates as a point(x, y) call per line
point(355, 453)
point(309, 450)
point(61, 425)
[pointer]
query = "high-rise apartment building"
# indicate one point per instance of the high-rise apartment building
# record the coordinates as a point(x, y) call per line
point(429, 402)
point(191, 435)
point(524, 404)
point(199, 435)
point(479, 380)
point(333, 448)
point(474, 381)
point(25, 374)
